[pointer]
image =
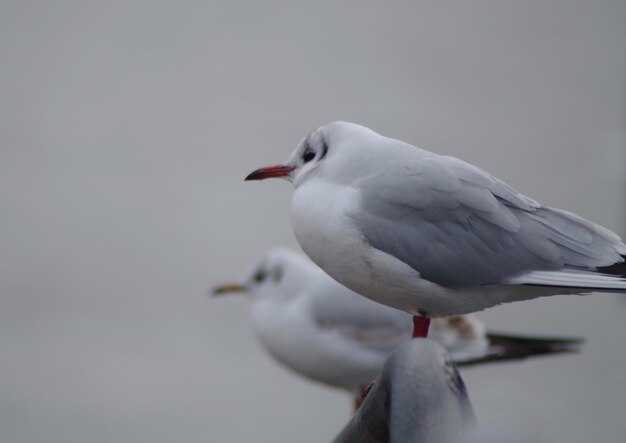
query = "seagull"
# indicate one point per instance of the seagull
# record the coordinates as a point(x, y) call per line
point(324, 331)
point(418, 398)
point(431, 234)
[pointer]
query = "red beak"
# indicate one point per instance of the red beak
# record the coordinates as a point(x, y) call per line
point(270, 172)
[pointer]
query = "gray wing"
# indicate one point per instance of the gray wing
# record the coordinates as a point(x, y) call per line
point(458, 226)
point(363, 322)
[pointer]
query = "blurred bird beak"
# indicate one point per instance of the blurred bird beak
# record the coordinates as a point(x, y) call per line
point(269, 172)
point(229, 289)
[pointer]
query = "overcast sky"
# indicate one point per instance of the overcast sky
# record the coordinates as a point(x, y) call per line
point(126, 128)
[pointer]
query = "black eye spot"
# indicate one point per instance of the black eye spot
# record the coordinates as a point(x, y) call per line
point(259, 276)
point(308, 156)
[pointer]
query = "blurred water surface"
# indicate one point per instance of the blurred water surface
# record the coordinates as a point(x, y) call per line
point(126, 129)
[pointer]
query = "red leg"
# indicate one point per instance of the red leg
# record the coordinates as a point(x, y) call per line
point(420, 326)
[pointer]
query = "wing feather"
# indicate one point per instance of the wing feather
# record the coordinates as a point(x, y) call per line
point(459, 226)
point(355, 319)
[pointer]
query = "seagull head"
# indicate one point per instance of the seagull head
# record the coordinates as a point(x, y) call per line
point(323, 153)
point(279, 273)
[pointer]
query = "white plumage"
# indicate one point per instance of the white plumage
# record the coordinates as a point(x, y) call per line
point(432, 234)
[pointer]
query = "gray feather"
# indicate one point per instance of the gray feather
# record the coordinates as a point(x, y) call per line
point(418, 397)
point(357, 319)
point(461, 227)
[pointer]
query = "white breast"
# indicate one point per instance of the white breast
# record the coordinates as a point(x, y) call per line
point(294, 339)
point(323, 228)
point(329, 236)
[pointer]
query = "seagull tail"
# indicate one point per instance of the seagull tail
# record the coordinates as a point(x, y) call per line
point(611, 278)
point(618, 269)
point(505, 347)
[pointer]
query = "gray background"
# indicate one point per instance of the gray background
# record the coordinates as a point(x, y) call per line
point(126, 129)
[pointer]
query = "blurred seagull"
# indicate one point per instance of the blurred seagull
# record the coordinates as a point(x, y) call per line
point(418, 398)
point(431, 234)
point(325, 332)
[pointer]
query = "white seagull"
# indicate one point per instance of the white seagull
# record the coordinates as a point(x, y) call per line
point(431, 234)
point(322, 330)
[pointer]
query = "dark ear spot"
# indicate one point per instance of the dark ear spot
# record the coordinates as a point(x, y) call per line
point(324, 148)
point(277, 274)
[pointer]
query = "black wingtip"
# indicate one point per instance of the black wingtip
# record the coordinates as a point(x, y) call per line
point(618, 269)
point(504, 347)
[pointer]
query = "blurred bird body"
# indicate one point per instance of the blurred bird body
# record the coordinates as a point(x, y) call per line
point(322, 330)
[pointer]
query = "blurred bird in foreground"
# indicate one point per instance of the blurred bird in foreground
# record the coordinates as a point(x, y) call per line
point(325, 332)
point(418, 398)
point(431, 234)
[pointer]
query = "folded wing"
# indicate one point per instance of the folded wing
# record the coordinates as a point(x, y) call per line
point(458, 226)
